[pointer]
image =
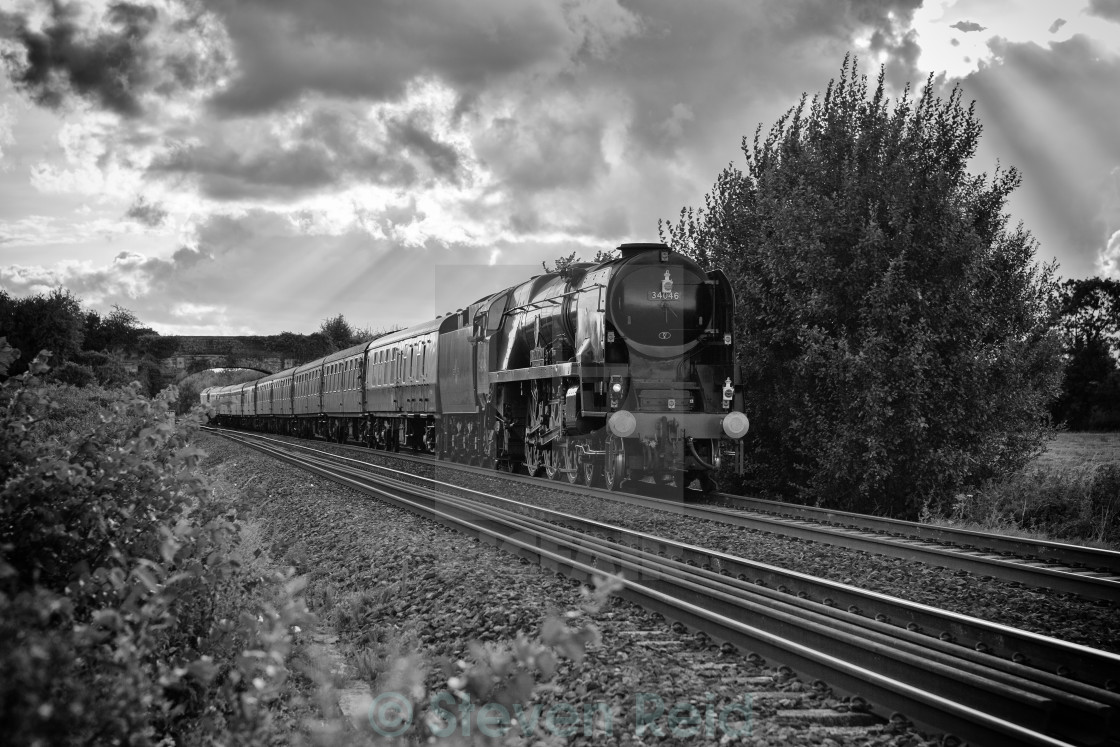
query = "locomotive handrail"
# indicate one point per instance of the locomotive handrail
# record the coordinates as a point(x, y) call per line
point(553, 299)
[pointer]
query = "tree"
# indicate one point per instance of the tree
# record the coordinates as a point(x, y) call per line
point(895, 335)
point(120, 331)
point(338, 331)
point(1090, 326)
point(563, 264)
point(53, 322)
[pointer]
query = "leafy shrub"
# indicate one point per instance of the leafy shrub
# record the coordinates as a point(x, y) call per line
point(1061, 503)
point(123, 617)
point(73, 374)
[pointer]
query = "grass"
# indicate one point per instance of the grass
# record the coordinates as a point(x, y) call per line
point(1070, 493)
point(1079, 450)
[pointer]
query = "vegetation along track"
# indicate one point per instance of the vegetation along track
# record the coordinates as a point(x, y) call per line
point(975, 694)
point(1088, 572)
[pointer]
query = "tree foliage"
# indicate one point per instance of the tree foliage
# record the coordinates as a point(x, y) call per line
point(54, 321)
point(120, 331)
point(1090, 326)
point(564, 263)
point(895, 334)
point(338, 331)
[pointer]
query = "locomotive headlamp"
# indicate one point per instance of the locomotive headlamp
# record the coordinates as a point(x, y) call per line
point(726, 338)
point(616, 391)
point(623, 423)
point(728, 393)
point(610, 335)
point(735, 424)
point(664, 255)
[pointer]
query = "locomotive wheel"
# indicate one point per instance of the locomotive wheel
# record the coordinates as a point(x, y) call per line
point(572, 463)
point(591, 471)
point(614, 465)
point(551, 465)
point(533, 462)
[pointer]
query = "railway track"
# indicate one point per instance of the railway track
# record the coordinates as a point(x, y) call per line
point(1062, 568)
point(985, 683)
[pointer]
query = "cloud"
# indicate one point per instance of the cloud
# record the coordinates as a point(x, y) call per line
point(1108, 264)
point(1108, 9)
point(1030, 94)
point(324, 146)
point(1057, 24)
point(968, 26)
point(259, 272)
point(115, 60)
point(373, 50)
point(146, 213)
point(6, 137)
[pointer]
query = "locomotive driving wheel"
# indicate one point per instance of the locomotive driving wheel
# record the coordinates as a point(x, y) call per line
point(591, 470)
point(571, 461)
point(614, 465)
point(533, 460)
point(552, 464)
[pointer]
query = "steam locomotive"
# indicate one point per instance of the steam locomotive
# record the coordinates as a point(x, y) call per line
point(596, 374)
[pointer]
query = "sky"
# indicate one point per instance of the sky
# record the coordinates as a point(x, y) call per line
point(257, 166)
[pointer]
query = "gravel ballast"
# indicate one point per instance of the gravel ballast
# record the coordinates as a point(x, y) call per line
point(1038, 610)
point(400, 590)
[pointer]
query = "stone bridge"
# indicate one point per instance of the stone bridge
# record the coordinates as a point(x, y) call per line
point(180, 356)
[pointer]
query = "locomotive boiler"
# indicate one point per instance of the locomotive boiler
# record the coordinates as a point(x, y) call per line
point(596, 374)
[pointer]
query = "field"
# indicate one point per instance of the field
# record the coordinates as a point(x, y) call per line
point(1080, 451)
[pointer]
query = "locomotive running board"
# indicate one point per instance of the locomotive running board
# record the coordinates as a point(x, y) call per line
point(530, 374)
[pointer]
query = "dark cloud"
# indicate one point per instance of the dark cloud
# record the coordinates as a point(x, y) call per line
point(116, 60)
point(373, 49)
point(1108, 9)
point(107, 68)
point(1057, 24)
point(147, 213)
point(1030, 95)
point(336, 145)
point(968, 26)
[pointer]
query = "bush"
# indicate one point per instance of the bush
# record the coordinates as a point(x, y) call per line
point(1061, 503)
point(894, 331)
point(123, 618)
point(74, 374)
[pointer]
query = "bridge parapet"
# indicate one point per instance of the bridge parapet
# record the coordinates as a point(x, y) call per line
point(185, 354)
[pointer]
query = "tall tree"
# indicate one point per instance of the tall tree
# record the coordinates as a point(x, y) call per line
point(896, 336)
point(1090, 325)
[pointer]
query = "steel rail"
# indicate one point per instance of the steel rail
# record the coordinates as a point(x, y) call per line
point(1053, 552)
point(1022, 705)
point(1085, 583)
point(1068, 661)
